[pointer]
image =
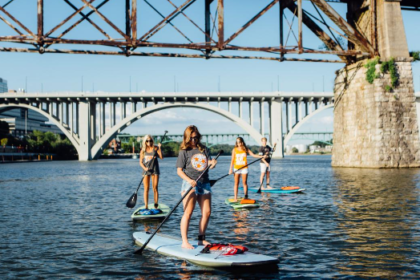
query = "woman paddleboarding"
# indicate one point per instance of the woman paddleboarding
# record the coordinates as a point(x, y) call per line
point(150, 164)
point(238, 161)
point(192, 160)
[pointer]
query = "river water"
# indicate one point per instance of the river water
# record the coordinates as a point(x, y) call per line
point(68, 220)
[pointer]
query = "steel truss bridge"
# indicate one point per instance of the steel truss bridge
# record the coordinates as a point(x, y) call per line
point(33, 23)
point(90, 120)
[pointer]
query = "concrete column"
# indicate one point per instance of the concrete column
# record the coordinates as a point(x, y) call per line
point(144, 104)
point(124, 104)
point(240, 108)
point(114, 117)
point(85, 130)
point(103, 117)
point(61, 112)
point(100, 118)
point(50, 109)
point(71, 118)
point(251, 113)
point(289, 114)
point(110, 113)
point(67, 113)
point(230, 105)
point(310, 105)
point(300, 113)
point(133, 107)
point(262, 117)
point(92, 119)
point(77, 118)
point(40, 105)
point(276, 127)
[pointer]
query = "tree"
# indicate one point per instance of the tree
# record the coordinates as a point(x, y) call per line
point(295, 150)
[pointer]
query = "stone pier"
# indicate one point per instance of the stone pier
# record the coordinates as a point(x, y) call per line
point(375, 128)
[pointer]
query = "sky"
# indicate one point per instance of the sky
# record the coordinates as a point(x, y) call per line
point(64, 73)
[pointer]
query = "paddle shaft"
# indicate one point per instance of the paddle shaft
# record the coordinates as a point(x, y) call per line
point(150, 164)
point(212, 182)
point(173, 209)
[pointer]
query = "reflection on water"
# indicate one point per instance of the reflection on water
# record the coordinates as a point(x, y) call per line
point(68, 220)
point(378, 212)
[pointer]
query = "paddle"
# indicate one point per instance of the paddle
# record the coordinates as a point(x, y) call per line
point(139, 251)
point(212, 182)
point(259, 189)
point(133, 198)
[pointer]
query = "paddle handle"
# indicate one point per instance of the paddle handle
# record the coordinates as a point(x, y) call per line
point(173, 209)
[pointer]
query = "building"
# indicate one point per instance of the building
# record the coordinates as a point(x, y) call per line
point(3, 85)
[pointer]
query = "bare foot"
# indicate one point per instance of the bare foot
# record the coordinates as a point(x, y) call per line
point(187, 245)
point(203, 242)
point(269, 188)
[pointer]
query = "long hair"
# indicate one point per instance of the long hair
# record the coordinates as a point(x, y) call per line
point(243, 142)
point(144, 146)
point(186, 142)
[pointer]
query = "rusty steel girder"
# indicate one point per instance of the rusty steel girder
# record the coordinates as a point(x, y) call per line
point(212, 27)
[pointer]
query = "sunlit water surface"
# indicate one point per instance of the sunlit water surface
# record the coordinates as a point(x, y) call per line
point(68, 220)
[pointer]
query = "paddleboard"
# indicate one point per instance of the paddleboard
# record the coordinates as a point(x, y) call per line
point(139, 216)
point(238, 205)
point(276, 190)
point(170, 246)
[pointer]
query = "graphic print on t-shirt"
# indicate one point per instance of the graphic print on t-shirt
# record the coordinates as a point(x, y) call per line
point(147, 159)
point(240, 159)
point(199, 162)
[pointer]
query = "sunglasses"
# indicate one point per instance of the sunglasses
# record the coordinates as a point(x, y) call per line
point(195, 138)
point(149, 141)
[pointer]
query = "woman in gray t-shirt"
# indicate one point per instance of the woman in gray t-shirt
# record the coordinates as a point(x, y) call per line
point(149, 163)
point(192, 160)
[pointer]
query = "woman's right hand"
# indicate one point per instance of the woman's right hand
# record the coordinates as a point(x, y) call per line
point(230, 171)
point(193, 183)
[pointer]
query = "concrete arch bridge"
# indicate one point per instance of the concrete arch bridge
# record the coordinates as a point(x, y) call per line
point(90, 120)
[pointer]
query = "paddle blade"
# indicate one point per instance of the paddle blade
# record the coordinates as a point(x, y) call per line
point(132, 201)
point(212, 182)
point(259, 190)
point(139, 251)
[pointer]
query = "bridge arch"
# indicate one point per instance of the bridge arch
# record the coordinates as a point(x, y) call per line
point(6, 107)
point(303, 121)
point(104, 140)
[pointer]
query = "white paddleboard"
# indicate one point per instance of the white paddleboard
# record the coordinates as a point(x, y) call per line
point(170, 246)
point(165, 211)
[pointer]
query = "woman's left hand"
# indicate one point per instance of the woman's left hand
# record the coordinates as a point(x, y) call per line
point(213, 163)
point(159, 145)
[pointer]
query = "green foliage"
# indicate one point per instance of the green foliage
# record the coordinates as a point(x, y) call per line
point(388, 88)
point(105, 152)
point(48, 142)
point(371, 70)
point(4, 141)
point(295, 150)
point(389, 66)
point(415, 55)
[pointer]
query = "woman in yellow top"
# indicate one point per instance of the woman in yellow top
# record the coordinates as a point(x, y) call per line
point(239, 154)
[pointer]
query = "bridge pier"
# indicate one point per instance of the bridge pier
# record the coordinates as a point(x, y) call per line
point(375, 125)
point(375, 128)
point(86, 112)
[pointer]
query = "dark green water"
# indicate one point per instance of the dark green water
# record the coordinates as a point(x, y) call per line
point(68, 220)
